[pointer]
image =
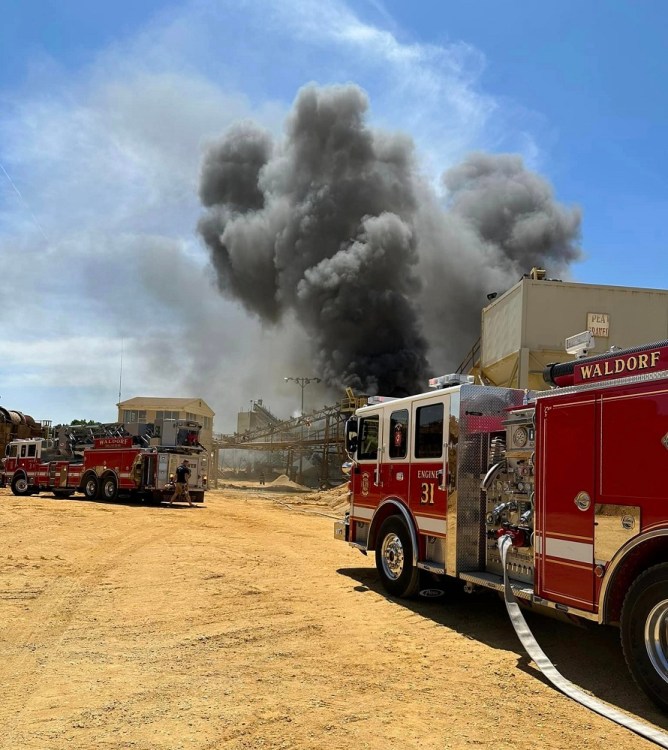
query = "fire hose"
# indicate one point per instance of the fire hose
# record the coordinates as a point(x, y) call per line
point(554, 676)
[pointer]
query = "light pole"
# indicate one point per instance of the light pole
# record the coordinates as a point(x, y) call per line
point(302, 383)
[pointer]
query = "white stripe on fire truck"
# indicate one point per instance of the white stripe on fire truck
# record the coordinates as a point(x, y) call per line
point(359, 512)
point(576, 551)
point(435, 525)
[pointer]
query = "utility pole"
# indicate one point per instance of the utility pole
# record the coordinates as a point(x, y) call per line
point(302, 383)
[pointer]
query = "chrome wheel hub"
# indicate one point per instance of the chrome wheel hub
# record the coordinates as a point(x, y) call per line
point(392, 556)
point(656, 638)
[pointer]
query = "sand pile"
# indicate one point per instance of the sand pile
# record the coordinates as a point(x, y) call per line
point(284, 482)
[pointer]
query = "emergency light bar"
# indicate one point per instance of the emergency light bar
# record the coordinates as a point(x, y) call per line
point(580, 344)
point(455, 378)
point(380, 399)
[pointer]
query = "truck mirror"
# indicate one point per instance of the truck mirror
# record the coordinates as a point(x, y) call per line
point(351, 435)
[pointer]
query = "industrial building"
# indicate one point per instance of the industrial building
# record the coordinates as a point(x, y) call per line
point(524, 329)
point(149, 409)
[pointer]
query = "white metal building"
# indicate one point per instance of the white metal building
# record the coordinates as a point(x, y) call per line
point(524, 329)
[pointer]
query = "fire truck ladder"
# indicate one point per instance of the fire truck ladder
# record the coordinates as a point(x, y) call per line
point(80, 436)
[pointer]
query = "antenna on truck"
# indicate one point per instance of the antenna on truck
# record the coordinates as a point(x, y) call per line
point(120, 377)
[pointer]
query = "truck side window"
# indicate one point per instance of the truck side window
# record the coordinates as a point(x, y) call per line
point(368, 443)
point(453, 441)
point(398, 433)
point(429, 431)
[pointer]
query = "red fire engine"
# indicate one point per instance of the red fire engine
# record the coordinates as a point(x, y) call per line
point(136, 461)
point(575, 477)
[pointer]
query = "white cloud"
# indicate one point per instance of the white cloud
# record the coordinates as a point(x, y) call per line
point(107, 165)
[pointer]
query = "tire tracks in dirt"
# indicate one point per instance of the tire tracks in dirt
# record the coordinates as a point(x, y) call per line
point(29, 649)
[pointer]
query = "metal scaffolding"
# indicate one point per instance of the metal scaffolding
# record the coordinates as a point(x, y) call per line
point(315, 435)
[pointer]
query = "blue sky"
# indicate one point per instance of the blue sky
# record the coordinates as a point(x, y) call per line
point(105, 110)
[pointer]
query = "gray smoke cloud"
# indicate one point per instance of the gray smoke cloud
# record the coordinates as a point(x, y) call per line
point(333, 226)
point(513, 210)
point(499, 221)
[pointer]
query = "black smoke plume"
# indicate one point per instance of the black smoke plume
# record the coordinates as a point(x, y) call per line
point(335, 225)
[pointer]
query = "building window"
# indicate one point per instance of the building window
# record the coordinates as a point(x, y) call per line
point(166, 415)
point(134, 416)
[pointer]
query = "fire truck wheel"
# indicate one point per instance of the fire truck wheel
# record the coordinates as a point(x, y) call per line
point(394, 558)
point(644, 631)
point(91, 487)
point(20, 485)
point(109, 487)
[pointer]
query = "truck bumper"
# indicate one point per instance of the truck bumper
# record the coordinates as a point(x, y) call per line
point(341, 529)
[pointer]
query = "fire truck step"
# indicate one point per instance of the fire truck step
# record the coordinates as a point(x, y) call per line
point(492, 581)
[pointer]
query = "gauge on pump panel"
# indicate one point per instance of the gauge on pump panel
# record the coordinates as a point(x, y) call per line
point(520, 437)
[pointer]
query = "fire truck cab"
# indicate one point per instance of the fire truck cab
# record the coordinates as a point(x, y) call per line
point(574, 476)
point(415, 481)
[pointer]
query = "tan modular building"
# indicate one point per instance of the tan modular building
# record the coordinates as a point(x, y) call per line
point(525, 329)
point(148, 409)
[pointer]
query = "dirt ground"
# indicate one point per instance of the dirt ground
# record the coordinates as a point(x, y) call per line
point(244, 624)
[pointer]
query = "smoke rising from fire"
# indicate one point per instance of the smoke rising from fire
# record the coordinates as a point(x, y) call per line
point(335, 226)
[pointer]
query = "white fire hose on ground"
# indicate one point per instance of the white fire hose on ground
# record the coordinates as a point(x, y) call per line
point(555, 677)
